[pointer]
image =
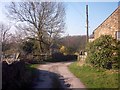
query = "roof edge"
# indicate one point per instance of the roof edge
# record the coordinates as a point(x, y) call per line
point(107, 17)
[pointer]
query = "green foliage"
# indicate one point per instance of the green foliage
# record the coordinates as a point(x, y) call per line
point(73, 43)
point(93, 78)
point(67, 50)
point(102, 52)
point(71, 50)
point(28, 46)
point(32, 70)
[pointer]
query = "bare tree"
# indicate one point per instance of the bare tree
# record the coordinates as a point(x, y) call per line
point(4, 35)
point(43, 19)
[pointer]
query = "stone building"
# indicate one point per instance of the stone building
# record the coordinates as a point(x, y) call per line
point(111, 26)
point(91, 38)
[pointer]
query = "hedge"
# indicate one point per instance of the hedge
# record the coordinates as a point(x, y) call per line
point(103, 52)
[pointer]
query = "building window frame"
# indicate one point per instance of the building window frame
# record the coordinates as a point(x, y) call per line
point(118, 35)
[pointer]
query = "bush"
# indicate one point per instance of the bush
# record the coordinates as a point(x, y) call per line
point(15, 76)
point(60, 57)
point(103, 52)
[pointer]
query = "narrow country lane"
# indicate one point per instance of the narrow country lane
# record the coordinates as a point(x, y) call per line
point(57, 75)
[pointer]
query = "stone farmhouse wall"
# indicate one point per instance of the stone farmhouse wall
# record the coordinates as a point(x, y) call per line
point(110, 26)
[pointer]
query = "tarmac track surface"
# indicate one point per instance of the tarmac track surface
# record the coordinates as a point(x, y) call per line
point(57, 75)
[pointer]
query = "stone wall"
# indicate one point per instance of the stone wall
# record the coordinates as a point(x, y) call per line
point(109, 26)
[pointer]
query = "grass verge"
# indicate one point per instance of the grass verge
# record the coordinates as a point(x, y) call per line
point(32, 73)
point(94, 78)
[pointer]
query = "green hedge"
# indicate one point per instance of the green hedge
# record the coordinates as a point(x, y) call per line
point(103, 52)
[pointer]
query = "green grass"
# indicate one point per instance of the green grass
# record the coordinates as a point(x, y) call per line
point(31, 74)
point(94, 78)
point(34, 65)
point(32, 69)
point(31, 66)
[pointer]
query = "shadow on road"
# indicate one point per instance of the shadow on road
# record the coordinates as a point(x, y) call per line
point(47, 62)
point(17, 76)
point(48, 80)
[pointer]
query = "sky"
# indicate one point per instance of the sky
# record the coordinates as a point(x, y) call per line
point(76, 15)
point(97, 13)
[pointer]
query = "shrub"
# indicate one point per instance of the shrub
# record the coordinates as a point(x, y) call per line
point(60, 57)
point(15, 76)
point(103, 52)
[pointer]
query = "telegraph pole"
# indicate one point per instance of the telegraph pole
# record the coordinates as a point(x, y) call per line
point(87, 37)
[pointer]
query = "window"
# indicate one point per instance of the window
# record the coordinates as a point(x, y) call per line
point(118, 35)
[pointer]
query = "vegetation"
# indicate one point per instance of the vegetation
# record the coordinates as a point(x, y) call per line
point(38, 26)
point(32, 69)
point(102, 64)
point(103, 53)
point(60, 57)
point(28, 47)
point(63, 50)
point(95, 78)
point(18, 75)
point(72, 44)
point(43, 21)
